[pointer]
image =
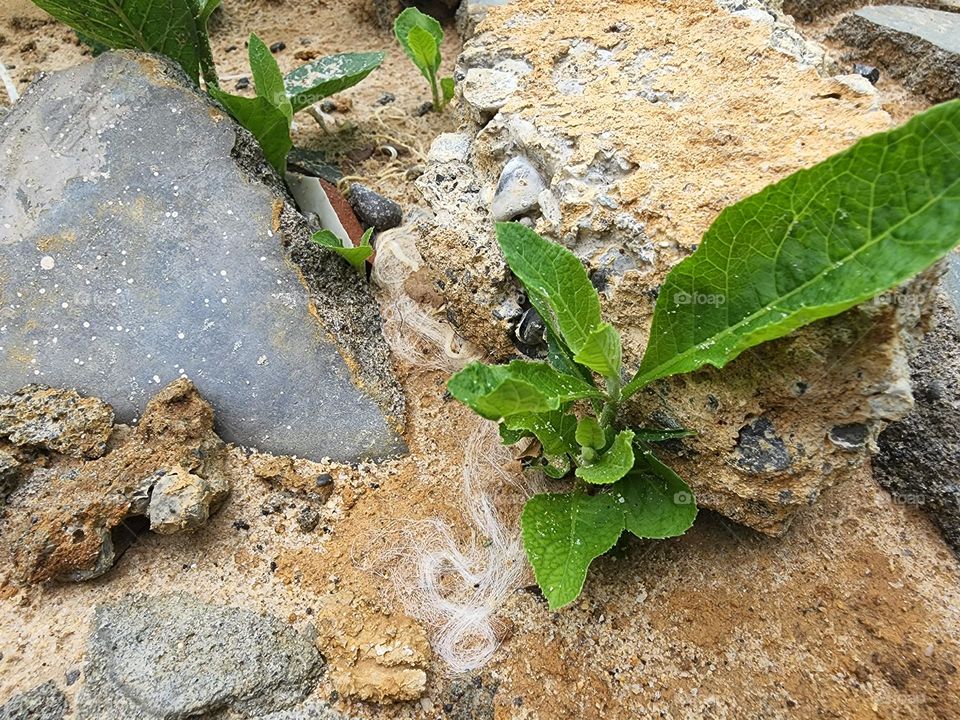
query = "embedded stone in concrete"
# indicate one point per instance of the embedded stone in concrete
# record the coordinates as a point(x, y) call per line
point(140, 242)
point(44, 702)
point(172, 657)
point(918, 46)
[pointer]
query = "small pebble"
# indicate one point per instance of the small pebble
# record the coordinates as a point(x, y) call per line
point(868, 71)
point(518, 190)
point(386, 99)
point(278, 47)
point(308, 519)
point(373, 209)
point(328, 106)
point(531, 330)
point(324, 479)
point(427, 107)
point(72, 676)
point(242, 84)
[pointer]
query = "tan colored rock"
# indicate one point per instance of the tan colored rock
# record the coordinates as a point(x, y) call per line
point(295, 475)
point(645, 120)
point(58, 521)
point(372, 656)
point(58, 420)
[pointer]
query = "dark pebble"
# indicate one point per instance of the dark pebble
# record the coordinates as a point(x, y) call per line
point(278, 47)
point(241, 525)
point(386, 99)
point(531, 330)
point(427, 107)
point(308, 519)
point(868, 71)
point(72, 676)
point(328, 106)
point(324, 479)
point(373, 209)
point(242, 84)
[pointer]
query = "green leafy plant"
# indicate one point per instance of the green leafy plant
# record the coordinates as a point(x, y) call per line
point(813, 245)
point(356, 255)
point(421, 36)
point(178, 29)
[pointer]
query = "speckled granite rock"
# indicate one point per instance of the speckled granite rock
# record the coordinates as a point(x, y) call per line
point(44, 702)
point(173, 657)
point(644, 121)
point(143, 238)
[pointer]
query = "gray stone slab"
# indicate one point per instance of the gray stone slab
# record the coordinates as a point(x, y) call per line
point(939, 28)
point(917, 46)
point(140, 241)
point(172, 657)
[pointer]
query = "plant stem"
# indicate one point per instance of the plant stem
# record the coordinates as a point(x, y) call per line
point(208, 67)
point(612, 405)
point(437, 102)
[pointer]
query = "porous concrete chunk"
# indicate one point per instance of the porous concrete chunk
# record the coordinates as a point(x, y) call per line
point(56, 419)
point(618, 111)
point(486, 91)
point(472, 12)
point(44, 702)
point(449, 147)
point(142, 240)
point(518, 190)
point(918, 46)
point(172, 657)
point(59, 520)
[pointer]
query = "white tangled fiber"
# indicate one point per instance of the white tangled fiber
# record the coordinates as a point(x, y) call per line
point(413, 333)
point(457, 587)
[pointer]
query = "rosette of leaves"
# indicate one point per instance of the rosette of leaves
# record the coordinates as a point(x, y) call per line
point(811, 246)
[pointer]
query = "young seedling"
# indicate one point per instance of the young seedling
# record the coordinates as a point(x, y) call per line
point(356, 255)
point(811, 246)
point(178, 29)
point(421, 37)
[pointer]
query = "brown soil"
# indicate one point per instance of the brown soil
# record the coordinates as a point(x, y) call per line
point(854, 614)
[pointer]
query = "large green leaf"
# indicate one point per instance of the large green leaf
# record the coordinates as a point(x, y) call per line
point(558, 287)
point(269, 124)
point(420, 36)
point(562, 534)
point(612, 465)
point(326, 76)
point(655, 501)
point(355, 255)
point(498, 391)
point(815, 244)
point(168, 28)
point(267, 78)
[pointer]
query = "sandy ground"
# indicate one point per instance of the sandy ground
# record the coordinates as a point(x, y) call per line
point(854, 614)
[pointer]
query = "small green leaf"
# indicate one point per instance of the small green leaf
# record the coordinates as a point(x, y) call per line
point(329, 75)
point(420, 36)
point(815, 244)
point(558, 287)
point(656, 502)
point(602, 351)
point(556, 431)
point(356, 255)
point(448, 87)
point(556, 466)
point(498, 391)
point(590, 434)
point(562, 534)
point(657, 435)
point(269, 124)
point(613, 464)
point(267, 78)
point(168, 28)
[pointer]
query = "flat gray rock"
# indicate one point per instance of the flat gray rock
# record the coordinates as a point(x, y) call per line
point(44, 702)
point(142, 239)
point(918, 46)
point(172, 657)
